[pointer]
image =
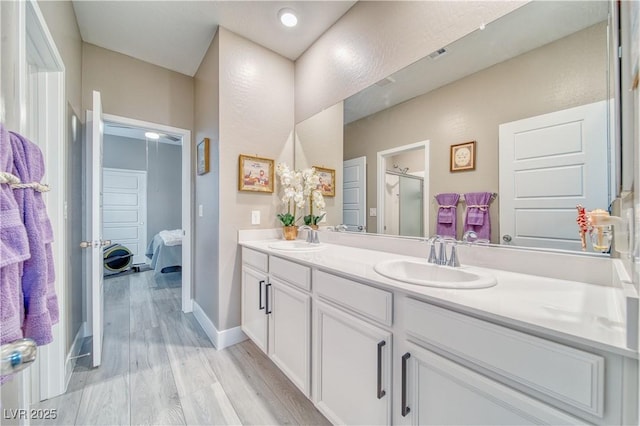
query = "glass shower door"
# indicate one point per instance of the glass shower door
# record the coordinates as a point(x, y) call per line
point(411, 209)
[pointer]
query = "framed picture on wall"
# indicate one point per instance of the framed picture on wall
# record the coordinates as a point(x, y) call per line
point(255, 174)
point(203, 156)
point(463, 156)
point(327, 183)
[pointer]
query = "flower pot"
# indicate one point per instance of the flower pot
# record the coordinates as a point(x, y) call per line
point(314, 227)
point(290, 232)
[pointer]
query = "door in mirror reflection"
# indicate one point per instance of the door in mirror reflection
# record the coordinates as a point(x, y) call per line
point(548, 164)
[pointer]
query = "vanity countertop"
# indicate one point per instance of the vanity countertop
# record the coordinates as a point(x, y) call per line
point(574, 312)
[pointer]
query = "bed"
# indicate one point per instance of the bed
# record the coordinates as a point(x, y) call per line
point(165, 251)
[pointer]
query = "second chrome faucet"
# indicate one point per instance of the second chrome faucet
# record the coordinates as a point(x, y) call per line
point(441, 258)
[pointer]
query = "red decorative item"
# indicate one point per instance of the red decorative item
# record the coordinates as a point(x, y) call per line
point(583, 225)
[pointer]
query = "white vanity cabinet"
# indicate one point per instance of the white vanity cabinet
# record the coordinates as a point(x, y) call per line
point(276, 312)
point(352, 355)
point(456, 369)
point(253, 307)
point(437, 391)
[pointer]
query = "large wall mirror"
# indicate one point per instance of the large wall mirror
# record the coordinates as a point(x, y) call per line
point(533, 90)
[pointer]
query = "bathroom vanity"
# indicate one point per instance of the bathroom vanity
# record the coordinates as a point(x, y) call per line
point(371, 350)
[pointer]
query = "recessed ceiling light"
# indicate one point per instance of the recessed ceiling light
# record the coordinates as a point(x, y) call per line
point(152, 135)
point(288, 17)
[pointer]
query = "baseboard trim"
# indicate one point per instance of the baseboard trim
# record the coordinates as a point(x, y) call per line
point(219, 339)
point(76, 346)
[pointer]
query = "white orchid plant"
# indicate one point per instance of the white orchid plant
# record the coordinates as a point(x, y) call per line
point(298, 186)
point(311, 181)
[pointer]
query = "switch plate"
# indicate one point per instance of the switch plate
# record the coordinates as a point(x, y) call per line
point(373, 212)
point(255, 217)
point(200, 210)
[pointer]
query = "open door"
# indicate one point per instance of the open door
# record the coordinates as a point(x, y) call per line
point(93, 241)
point(354, 194)
point(548, 164)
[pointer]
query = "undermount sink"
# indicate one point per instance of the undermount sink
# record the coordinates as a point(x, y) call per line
point(430, 275)
point(296, 245)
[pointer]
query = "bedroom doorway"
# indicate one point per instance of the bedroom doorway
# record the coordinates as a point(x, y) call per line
point(160, 239)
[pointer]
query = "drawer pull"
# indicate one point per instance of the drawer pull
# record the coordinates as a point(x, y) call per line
point(260, 305)
point(405, 408)
point(266, 294)
point(381, 392)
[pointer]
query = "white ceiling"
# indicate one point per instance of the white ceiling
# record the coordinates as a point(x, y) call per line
point(528, 27)
point(138, 133)
point(176, 34)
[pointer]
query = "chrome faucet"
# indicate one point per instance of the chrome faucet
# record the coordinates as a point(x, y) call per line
point(341, 228)
point(432, 251)
point(470, 237)
point(453, 257)
point(312, 234)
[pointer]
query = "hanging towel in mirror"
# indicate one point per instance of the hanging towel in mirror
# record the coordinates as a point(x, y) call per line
point(477, 214)
point(446, 223)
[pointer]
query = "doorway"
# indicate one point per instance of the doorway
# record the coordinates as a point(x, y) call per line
point(403, 190)
point(168, 189)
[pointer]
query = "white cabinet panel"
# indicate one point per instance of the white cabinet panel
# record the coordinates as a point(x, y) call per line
point(569, 375)
point(254, 318)
point(441, 392)
point(290, 333)
point(351, 365)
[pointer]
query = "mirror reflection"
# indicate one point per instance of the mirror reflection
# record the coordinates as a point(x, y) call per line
point(531, 89)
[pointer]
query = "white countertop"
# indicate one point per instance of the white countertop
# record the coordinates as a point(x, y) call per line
point(571, 311)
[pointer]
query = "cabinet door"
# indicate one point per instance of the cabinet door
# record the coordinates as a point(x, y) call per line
point(441, 392)
point(254, 317)
point(352, 368)
point(290, 333)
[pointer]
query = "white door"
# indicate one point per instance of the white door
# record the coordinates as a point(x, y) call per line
point(94, 277)
point(254, 307)
point(352, 368)
point(440, 392)
point(354, 201)
point(124, 210)
point(290, 333)
point(548, 164)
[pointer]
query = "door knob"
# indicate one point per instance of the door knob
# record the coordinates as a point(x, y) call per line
point(86, 244)
point(105, 243)
point(506, 238)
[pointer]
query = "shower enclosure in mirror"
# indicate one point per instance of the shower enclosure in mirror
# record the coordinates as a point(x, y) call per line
point(543, 60)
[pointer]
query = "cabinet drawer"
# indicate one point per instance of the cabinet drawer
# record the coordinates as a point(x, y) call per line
point(367, 301)
point(571, 376)
point(293, 273)
point(256, 259)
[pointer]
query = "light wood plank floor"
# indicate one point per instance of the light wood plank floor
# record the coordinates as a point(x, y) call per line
point(159, 367)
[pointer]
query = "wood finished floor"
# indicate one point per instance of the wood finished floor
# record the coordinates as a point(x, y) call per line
point(160, 368)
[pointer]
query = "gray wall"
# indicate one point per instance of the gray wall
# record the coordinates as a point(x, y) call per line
point(163, 177)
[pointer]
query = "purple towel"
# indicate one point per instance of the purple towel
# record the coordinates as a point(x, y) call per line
point(477, 216)
point(40, 302)
point(14, 249)
point(446, 224)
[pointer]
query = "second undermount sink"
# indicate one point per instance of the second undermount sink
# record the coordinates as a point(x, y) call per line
point(296, 246)
point(430, 275)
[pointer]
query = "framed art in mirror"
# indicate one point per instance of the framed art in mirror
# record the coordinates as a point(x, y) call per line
point(463, 156)
point(327, 183)
point(255, 174)
point(203, 156)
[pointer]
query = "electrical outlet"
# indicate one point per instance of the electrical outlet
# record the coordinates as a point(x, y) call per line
point(255, 217)
point(373, 212)
point(200, 210)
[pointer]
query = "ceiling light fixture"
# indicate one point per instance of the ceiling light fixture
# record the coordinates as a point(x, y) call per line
point(288, 17)
point(152, 135)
